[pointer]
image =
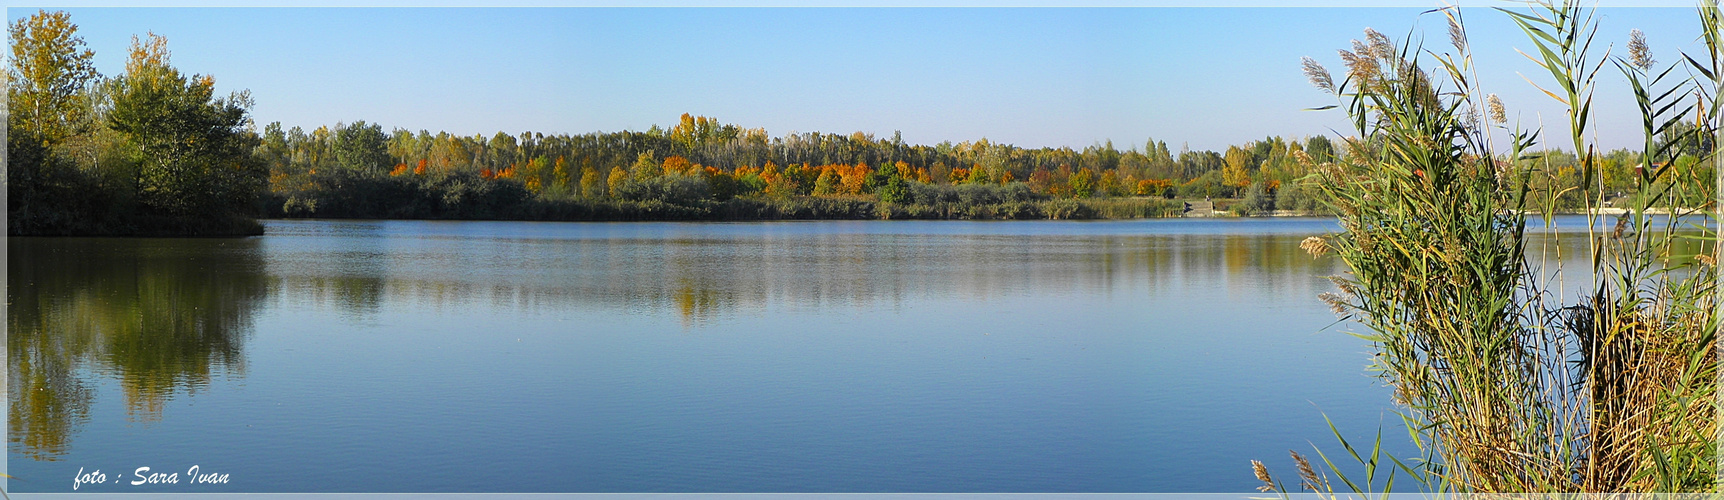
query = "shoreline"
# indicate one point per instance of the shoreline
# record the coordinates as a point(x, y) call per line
point(1074, 210)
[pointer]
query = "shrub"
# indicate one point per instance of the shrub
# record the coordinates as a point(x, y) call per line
point(673, 189)
point(1067, 209)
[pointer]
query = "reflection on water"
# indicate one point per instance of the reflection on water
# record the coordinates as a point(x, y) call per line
point(702, 277)
point(866, 356)
point(163, 317)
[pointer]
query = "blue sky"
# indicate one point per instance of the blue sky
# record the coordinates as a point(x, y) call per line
point(1027, 76)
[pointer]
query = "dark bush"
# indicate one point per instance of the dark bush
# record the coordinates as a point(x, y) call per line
point(672, 189)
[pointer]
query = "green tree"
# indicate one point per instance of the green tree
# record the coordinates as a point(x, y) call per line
point(644, 169)
point(826, 183)
point(1320, 149)
point(191, 148)
point(362, 148)
point(1082, 183)
point(1258, 200)
point(879, 177)
point(502, 151)
point(894, 190)
point(979, 175)
point(1294, 196)
point(722, 185)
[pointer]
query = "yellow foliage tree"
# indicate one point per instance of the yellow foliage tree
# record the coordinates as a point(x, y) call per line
point(615, 181)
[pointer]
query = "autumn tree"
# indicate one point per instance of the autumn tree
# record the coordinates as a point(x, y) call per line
point(676, 165)
point(592, 184)
point(1236, 173)
point(49, 75)
point(560, 177)
point(615, 181)
point(853, 179)
point(1110, 184)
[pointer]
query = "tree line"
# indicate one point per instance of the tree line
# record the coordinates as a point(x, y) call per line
point(155, 151)
point(358, 169)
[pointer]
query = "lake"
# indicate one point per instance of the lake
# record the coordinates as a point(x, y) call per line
point(841, 356)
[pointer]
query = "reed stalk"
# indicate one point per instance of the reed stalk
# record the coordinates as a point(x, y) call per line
point(1503, 386)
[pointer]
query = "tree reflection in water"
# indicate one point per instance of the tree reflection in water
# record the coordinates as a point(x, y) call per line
point(162, 317)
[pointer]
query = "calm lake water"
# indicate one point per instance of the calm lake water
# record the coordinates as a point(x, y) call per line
point(401, 356)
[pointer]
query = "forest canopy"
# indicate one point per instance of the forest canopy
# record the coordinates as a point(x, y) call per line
point(346, 170)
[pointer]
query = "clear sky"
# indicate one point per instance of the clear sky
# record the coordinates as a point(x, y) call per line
point(1027, 76)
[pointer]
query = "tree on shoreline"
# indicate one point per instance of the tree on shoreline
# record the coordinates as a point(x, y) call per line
point(193, 151)
point(151, 151)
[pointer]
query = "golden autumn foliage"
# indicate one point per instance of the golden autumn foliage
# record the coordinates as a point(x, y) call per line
point(1110, 184)
point(592, 186)
point(1151, 187)
point(560, 173)
point(677, 165)
point(769, 173)
point(616, 179)
point(851, 178)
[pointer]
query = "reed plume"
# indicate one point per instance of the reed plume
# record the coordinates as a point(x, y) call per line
point(1504, 387)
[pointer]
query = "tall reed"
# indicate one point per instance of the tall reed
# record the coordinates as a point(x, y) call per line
point(1503, 386)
